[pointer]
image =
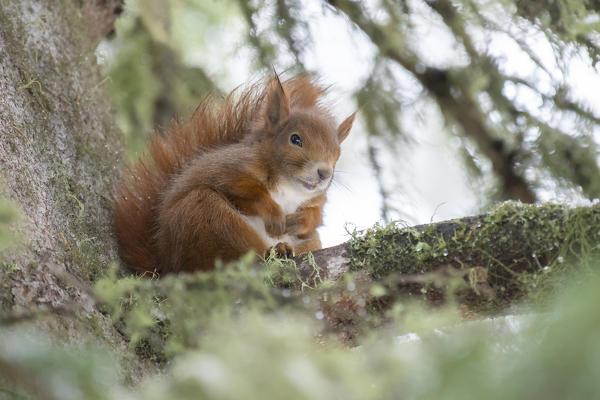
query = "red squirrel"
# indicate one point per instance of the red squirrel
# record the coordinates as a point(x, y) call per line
point(249, 172)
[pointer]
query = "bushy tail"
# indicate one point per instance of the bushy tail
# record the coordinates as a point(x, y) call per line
point(214, 123)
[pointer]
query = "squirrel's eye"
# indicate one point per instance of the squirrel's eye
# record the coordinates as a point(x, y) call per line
point(295, 139)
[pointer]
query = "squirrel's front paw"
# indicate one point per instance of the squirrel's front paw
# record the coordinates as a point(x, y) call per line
point(293, 223)
point(275, 226)
point(282, 250)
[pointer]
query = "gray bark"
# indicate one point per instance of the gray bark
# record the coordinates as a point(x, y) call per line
point(59, 158)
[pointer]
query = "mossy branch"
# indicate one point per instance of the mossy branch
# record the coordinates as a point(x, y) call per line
point(483, 264)
point(513, 252)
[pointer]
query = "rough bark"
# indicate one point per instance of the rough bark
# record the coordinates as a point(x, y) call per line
point(59, 156)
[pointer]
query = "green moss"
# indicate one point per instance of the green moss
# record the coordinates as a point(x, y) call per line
point(522, 248)
point(284, 273)
point(10, 268)
point(281, 272)
point(85, 259)
point(165, 316)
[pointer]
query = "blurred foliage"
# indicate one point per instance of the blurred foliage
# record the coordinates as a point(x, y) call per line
point(524, 122)
point(167, 316)
point(247, 352)
point(278, 357)
point(32, 367)
point(151, 84)
point(259, 331)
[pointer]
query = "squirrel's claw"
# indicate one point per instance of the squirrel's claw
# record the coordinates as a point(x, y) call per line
point(283, 250)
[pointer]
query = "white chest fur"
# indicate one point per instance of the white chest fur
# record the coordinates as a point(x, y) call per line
point(289, 197)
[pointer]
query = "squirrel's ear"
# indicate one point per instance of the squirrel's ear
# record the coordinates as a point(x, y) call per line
point(278, 105)
point(344, 128)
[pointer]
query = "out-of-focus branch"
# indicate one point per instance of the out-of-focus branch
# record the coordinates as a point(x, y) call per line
point(456, 104)
point(286, 26)
point(265, 52)
point(385, 207)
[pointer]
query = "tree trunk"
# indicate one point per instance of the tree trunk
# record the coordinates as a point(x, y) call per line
point(59, 157)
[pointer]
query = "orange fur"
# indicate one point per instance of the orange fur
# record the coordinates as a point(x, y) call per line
point(192, 199)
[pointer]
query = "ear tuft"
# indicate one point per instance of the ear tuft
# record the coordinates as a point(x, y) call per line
point(345, 126)
point(278, 105)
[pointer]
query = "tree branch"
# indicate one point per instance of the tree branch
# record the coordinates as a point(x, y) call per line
point(455, 102)
point(503, 256)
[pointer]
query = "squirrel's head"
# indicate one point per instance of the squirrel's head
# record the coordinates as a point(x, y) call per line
point(305, 143)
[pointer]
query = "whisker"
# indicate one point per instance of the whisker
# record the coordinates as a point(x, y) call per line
point(337, 183)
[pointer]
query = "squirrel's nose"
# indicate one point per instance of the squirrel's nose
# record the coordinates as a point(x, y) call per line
point(324, 173)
